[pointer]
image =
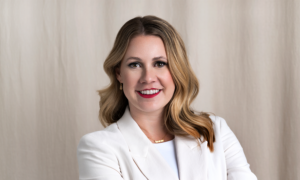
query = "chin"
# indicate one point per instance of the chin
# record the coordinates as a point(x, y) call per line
point(150, 107)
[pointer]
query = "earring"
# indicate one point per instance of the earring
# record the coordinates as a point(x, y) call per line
point(121, 86)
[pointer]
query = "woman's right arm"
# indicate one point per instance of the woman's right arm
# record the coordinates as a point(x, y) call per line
point(96, 160)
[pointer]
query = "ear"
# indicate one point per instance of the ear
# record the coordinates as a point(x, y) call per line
point(118, 74)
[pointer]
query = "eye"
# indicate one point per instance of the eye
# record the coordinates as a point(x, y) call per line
point(133, 65)
point(160, 63)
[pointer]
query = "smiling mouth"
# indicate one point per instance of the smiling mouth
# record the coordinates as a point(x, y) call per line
point(150, 92)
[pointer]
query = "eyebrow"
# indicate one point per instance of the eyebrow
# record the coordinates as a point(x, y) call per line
point(139, 59)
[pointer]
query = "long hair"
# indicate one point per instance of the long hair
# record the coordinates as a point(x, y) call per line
point(179, 118)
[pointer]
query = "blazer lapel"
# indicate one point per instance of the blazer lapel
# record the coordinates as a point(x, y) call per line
point(145, 155)
point(193, 158)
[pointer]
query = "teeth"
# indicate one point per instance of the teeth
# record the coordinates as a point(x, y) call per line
point(149, 92)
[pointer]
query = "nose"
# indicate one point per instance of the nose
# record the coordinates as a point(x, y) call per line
point(148, 75)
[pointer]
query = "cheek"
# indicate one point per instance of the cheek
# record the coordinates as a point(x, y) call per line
point(130, 79)
point(168, 80)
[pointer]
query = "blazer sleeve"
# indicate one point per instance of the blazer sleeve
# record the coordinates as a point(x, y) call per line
point(236, 162)
point(96, 160)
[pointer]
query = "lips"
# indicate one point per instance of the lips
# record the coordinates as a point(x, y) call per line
point(148, 95)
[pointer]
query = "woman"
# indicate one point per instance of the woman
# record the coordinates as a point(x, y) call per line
point(151, 131)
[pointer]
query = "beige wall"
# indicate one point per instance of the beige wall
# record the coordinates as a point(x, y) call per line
point(246, 55)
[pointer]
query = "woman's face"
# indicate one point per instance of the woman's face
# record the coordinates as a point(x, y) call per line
point(145, 67)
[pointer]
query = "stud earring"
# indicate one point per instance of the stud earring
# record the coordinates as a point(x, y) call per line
point(121, 86)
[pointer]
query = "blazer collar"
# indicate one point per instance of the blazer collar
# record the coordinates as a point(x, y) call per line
point(191, 153)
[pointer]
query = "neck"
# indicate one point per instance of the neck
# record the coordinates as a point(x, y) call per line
point(151, 123)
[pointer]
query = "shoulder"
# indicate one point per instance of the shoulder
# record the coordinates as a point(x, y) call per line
point(221, 128)
point(216, 119)
point(96, 155)
point(218, 122)
point(97, 138)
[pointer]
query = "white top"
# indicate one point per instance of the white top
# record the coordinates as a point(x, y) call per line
point(167, 150)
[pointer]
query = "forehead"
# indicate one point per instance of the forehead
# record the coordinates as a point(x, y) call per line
point(146, 45)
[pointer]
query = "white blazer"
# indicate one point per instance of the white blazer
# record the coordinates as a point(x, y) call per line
point(122, 151)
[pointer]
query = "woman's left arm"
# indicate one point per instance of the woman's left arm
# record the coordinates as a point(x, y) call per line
point(236, 162)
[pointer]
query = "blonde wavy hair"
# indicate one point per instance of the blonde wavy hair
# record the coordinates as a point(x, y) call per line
point(179, 118)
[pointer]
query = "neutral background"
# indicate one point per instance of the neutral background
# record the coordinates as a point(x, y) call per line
point(246, 55)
